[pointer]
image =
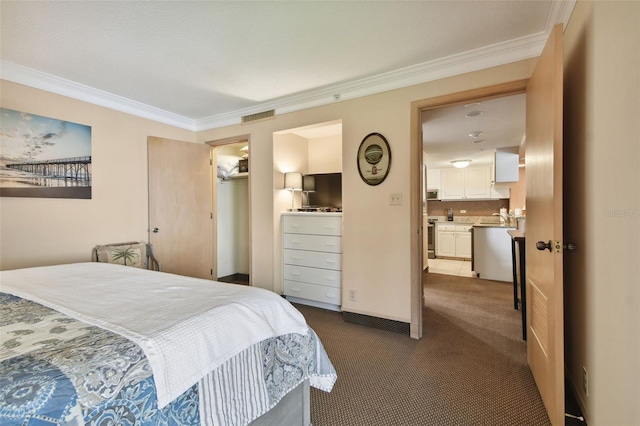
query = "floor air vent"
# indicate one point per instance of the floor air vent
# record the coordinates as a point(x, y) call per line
point(258, 116)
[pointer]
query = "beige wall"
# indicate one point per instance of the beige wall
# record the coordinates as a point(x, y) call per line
point(38, 231)
point(602, 202)
point(376, 256)
point(518, 198)
point(325, 155)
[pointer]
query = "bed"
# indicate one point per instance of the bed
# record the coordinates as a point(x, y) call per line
point(98, 343)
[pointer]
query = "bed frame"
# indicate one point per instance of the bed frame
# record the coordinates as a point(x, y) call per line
point(293, 409)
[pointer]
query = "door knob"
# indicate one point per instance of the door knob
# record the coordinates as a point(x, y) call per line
point(541, 245)
point(155, 230)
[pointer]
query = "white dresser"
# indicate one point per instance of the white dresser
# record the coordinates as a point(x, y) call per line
point(312, 258)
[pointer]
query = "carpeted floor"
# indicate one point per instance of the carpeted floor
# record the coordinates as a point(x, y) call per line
point(469, 368)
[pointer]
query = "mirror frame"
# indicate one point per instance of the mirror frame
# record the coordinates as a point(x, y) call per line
point(374, 159)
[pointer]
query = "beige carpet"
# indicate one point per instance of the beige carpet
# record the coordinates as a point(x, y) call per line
point(468, 369)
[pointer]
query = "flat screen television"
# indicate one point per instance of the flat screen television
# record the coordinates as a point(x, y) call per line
point(328, 191)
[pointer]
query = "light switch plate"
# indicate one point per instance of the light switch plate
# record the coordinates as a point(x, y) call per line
point(395, 199)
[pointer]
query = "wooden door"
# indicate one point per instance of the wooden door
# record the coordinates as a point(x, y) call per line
point(544, 268)
point(180, 206)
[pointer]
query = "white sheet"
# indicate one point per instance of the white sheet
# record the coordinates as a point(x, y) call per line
point(186, 326)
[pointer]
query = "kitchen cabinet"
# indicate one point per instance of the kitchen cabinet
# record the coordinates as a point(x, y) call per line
point(499, 192)
point(506, 165)
point(466, 184)
point(453, 240)
point(433, 179)
point(312, 259)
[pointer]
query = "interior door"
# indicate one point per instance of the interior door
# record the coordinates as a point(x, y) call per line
point(180, 206)
point(544, 265)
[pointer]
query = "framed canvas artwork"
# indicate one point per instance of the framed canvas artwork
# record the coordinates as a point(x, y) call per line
point(43, 157)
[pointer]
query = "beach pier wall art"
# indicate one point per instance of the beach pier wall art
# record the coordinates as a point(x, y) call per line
point(43, 157)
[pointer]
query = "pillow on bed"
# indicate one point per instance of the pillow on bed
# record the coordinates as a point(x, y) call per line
point(123, 254)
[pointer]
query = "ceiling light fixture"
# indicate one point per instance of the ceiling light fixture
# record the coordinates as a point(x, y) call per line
point(476, 134)
point(470, 104)
point(478, 141)
point(460, 164)
point(474, 114)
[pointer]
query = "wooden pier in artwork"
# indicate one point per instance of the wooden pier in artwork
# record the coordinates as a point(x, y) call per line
point(76, 168)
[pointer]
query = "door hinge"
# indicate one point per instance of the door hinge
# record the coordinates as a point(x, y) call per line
point(211, 161)
point(211, 215)
point(211, 272)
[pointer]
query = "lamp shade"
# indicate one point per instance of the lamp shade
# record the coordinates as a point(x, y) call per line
point(293, 181)
point(309, 183)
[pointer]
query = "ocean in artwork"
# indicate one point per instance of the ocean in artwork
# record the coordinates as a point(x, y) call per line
point(43, 157)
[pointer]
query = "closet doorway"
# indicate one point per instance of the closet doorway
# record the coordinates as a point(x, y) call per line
point(231, 207)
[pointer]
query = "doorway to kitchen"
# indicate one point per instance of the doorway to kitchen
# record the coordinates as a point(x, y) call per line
point(478, 133)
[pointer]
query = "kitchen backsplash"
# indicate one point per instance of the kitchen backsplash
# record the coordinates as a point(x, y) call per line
point(472, 208)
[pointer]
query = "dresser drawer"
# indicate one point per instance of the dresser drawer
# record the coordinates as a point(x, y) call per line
point(315, 292)
point(313, 259)
point(326, 277)
point(325, 243)
point(315, 225)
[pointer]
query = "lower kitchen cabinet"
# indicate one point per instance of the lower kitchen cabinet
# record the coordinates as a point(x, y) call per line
point(453, 240)
point(312, 259)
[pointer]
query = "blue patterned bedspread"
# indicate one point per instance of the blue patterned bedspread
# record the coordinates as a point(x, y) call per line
point(56, 370)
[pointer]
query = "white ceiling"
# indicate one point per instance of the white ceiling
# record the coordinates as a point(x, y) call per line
point(203, 64)
point(446, 131)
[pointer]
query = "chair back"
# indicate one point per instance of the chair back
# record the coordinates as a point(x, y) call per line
point(134, 253)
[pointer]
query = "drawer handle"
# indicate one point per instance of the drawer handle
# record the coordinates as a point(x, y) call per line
point(331, 295)
point(295, 274)
point(330, 227)
point(330, 244)
point(295, 225)
point(330, 261)
point(329, 278)
point(295, 257)
point(297, 290)
point(295, 241)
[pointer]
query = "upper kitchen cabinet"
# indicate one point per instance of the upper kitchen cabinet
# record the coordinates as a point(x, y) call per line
point(433, 179)
point(505, 165)
point(469, 183)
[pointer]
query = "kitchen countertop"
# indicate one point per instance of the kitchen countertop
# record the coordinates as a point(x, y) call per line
point(477, 222)
point(516, 234)
point(493, 225)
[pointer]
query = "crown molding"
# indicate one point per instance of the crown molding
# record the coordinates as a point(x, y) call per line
point(486, 57)
point(60, 86)
point(474, 60)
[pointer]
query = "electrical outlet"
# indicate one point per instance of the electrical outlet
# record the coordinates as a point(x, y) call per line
point(395, 199)
point(352, 295)
point(463, 211)
point(585, 381)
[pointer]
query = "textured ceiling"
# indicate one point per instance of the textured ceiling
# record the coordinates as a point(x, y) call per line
point(207, 59)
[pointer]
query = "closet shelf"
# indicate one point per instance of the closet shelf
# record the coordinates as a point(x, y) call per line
point(243, 175)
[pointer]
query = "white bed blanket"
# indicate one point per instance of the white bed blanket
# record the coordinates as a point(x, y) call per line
point(186, 326)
